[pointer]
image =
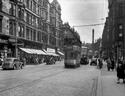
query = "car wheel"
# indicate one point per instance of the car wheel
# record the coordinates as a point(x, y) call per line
point(21, 67)
point(3, 68)
point(14, 67)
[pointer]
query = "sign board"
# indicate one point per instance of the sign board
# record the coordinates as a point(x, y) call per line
point(50, 50)
point(12, 40)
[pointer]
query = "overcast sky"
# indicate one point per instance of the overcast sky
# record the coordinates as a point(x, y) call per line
point(84, 12)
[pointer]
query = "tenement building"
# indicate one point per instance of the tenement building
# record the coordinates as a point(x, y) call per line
point(29, 24)
point(113, 38)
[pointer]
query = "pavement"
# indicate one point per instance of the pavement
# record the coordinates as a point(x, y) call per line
point(107, 85)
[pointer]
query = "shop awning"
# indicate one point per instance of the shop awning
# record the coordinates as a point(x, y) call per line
point(60, 53)
point(50, 53)
point(33, 51)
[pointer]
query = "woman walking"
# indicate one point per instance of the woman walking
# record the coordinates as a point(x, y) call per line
point(120, 72)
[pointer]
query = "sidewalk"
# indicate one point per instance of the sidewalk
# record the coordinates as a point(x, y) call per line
point(107, 86)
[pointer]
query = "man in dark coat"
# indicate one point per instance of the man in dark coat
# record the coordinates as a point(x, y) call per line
point(120, 71)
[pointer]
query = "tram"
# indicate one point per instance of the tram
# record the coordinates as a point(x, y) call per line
point(72, 51)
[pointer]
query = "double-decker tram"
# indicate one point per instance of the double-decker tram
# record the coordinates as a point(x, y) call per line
point(72, 49)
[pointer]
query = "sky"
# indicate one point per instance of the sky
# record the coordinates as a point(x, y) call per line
point(85, 12)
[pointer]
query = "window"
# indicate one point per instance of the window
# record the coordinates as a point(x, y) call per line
point(27, 33)
point(28, 4)
point(34, 20)
point(27, 18)
point(30, 19)
point(21, 13)
point(31, 34)
point(45, 38)
point(39, 36)
point(34, 7)
point(12, 10)
point(121, 9)
point(21, 30)
point(45, 27)
point(34, 35)
point(12, 27)
point(31, 5)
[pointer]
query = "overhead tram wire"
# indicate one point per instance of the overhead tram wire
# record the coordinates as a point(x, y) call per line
point(89, 25)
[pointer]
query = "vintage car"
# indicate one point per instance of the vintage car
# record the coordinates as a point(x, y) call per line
point(12, 63)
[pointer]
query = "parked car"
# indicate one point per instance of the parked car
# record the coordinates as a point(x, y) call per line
point(12, 63)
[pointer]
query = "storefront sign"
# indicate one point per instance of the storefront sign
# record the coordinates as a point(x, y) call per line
point(12, 40)
point(50, 50)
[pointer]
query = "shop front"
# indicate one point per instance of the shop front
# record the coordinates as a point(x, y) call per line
point(3, 48)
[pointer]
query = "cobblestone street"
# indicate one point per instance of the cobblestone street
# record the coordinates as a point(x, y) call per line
point(49, 80)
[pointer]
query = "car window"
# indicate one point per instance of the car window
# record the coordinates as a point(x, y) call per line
point(16, 60)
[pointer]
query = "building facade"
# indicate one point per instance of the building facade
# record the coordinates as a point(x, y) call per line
point(29, 24)
point(113, 41)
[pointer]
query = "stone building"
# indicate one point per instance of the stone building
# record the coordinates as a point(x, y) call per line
point(29, 24)
point(113, 41)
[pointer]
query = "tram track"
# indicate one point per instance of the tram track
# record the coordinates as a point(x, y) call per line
point(33, 81)
point(94, 87)
point(28, 72)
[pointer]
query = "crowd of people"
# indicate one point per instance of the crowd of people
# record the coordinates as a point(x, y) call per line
point(31, 59)
point(112, 64)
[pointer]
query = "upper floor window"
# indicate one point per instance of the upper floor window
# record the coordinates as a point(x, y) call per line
point(121, 9)
point(28, 4)
point(21, 30)
point(20, 13)
point(12, 27)
point(12, 10)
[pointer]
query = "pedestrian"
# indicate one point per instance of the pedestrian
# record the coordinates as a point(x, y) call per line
point(120, 71)
point(108, 64)
point(112, 64)
point(100, 63)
